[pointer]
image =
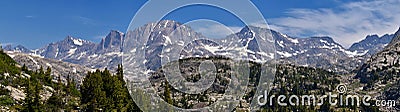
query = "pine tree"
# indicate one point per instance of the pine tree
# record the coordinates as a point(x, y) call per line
point(167, 93)
point(47, 76)
point(120, 74)
point(93, 97)
point(55, 102)
point(130, 105)
point(28, 102)
point(32, 91)
point(24, 68)
point(118, 94)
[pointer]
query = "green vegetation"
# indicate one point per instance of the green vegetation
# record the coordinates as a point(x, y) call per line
point(100, 90)
point(7, 64)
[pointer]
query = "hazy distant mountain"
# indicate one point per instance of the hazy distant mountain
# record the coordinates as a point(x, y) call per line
point(18, 48)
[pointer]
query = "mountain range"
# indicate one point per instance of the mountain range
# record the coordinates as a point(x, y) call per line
point(320, 52)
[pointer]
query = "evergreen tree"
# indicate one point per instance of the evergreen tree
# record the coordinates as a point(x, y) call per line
point(93, 97)
point(101, 90)
point(47, 76)
point(55, 102)
point(32, 91)
point(167, 93)
point(118, 95)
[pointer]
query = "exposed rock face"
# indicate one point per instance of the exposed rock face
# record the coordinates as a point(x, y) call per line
point(383, 63)
point(111, 43)
point(382, 73)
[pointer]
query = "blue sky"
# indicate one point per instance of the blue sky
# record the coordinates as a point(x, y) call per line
point(35, 23)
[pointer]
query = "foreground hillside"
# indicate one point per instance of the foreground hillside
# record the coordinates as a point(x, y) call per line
point(22, 89)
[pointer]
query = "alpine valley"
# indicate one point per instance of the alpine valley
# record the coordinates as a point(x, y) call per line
point(305, 65)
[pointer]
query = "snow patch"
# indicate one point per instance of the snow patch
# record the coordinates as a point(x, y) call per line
point(167, 39)
point(212, 49)
point(72, 51)
point(11, 55)
point(114, 53)
point(56, 53)
point(296, 41)
point(133, 50)
point(78, 42)
point(166, 23)
point(280, 43)
point(74, 70)
point(284, 54)
point(49, 65)
point(355, 53)
point(181, 43)
point(324, 41)
point(33, 60)
point(283, 35)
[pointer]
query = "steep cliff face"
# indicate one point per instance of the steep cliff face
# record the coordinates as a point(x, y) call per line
point(382, 64)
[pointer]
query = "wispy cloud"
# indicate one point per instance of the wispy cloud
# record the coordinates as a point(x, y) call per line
point(85, 20)
point(30, 16)
point(346, 24)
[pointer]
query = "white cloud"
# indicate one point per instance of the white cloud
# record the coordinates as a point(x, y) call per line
point(346, 24)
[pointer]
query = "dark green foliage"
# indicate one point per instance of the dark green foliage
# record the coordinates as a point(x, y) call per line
point(167, 93)
point(6, 100)
point(7, 64)
point(100, 90)
point(33, 88)
point(93, 90)
point(103, 91)
point(47, 76)
point(55, 102)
